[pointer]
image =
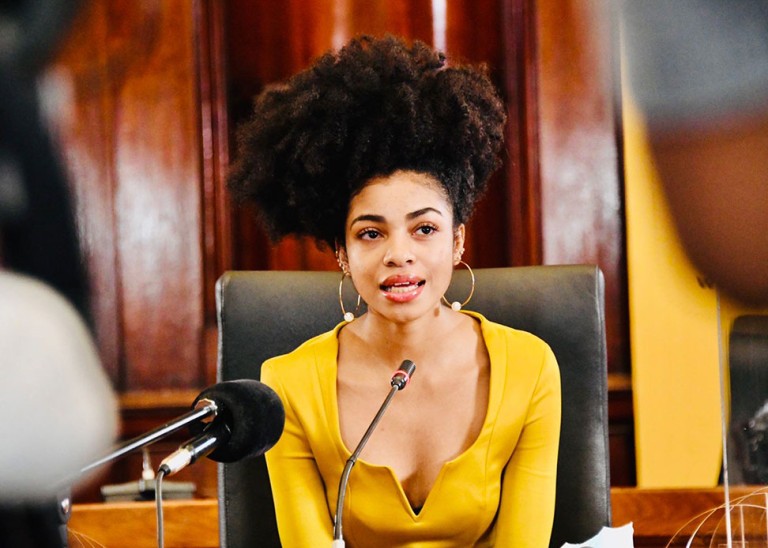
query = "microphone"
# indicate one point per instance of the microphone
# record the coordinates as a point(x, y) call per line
point(249, 420)
point(400, 380)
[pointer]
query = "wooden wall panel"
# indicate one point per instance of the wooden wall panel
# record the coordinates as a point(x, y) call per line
point(157, 167)
point(581, 186)
point(79, 109)
point(132, 147)
point(521, 170)
point(214, 134)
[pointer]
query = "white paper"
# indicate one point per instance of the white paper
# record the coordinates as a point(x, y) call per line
point(609, 537)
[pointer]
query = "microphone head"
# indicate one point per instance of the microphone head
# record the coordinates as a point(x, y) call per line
point(254, 414)
point(402, 376)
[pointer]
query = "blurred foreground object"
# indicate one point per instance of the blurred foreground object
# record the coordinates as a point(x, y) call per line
point(698, 70)
point(57, 406)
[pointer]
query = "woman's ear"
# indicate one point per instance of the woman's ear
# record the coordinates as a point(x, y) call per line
point(341, 258)
point(458, 243)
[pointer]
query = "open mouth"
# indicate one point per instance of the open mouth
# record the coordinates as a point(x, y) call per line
point(402, 288)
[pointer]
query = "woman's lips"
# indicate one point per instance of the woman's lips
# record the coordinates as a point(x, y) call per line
point(402, 289)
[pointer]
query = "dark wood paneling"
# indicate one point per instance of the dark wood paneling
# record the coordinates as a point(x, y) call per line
point(523, 186)
point(80, 122)
point(132, 146)
point(581, 190)
point(487, 231)
point(157, 169)
point(209, 19)
point(621, 430)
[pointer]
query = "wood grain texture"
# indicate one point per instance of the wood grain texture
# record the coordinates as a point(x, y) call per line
point(523, 181)
point(130, 132)
point(157, 201)
point(187, 524)
point(79, 110)
point(581, 185)
point(658, 514)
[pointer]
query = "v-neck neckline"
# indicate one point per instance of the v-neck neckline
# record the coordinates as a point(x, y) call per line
point(495, 382)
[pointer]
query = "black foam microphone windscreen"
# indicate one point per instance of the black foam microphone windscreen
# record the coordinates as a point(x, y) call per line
point(254, 414)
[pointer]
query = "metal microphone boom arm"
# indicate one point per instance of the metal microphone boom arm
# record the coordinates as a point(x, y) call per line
point(399, 381)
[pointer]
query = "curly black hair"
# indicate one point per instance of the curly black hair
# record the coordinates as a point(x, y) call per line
point(374, 107)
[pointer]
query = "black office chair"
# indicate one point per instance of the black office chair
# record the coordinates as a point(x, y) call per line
point(748, 432)
point(264, 314)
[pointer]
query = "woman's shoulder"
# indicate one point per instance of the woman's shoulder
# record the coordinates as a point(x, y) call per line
point(518, 353)
point(319, 348)
point(518, 337)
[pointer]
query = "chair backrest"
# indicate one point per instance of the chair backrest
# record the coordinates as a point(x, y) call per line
point(264, 314)
point(748, 363)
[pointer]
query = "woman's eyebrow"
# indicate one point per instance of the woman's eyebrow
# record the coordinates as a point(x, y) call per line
point(381, 219)
point(420, 212)
point(368, 217)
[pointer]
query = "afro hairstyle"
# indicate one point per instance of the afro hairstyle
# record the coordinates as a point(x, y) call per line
point(372, 108)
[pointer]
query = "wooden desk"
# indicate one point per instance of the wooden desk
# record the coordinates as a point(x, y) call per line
point(657, 515)
point(187, 524)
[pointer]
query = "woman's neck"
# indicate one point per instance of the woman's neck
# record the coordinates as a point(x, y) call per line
point(394, 342)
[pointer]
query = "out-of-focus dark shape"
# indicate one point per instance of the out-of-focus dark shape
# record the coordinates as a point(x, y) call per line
point(31, 29)
point(748, 434)
point(57, 404)
point(36, 218)
point(698, 70)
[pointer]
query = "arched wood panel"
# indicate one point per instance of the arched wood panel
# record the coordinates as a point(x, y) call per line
point(268, 43)
point(132, 137)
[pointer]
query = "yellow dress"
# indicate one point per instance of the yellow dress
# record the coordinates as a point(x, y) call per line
point(499, 492)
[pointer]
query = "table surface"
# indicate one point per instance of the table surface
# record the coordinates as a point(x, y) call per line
point(657, 514)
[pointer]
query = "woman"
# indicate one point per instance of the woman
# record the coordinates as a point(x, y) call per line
point(380, 151)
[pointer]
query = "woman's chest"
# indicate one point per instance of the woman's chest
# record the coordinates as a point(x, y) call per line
point(424, 427)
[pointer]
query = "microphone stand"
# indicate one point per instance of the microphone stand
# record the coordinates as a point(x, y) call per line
point(399, 381)
point(204, 408)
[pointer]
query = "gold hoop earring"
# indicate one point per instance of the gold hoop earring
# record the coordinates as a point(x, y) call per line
point(456, 305)
point(348, 316)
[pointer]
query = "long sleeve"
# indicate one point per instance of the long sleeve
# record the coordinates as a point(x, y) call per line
point(502, 488)
point(302, 512)
point(527, 505)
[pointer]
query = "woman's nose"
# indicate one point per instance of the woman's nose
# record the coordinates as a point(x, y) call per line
point(398, 251)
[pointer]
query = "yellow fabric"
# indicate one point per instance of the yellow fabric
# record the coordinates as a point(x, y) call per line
point(674, 335)
point(499, 492)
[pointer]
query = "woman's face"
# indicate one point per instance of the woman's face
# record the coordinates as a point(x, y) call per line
point(401, 245)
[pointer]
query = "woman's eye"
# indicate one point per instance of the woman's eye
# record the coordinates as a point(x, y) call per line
point(425, 230)
point(369, 234)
